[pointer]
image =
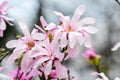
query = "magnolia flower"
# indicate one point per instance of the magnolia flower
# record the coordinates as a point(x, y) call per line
point(23, 44)
point(72, 32)
point(116, 47)
point(103, 76)
point(3, 17)
point(46, 56)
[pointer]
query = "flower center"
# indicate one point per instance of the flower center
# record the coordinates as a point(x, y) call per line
point(30, 44)
point(69, 29)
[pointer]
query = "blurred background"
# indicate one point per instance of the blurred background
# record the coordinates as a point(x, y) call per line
point(106, 13)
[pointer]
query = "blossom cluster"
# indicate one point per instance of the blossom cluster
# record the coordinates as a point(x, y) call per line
point(42, 52)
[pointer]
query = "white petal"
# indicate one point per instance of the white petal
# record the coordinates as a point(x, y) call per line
point(117, 78)
point(90, 29)
point(39, 61)
point(63, 40)
point(87, 41)
point(58, 14)
point(116, 47)
point(48, 67)
point(103, 76)
point(50, 26)
point(24, 28)
point(72, 40)
point(12, 43)
point(78, 12)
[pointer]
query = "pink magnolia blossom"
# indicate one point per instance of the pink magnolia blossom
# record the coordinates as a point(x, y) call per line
point(72, 32)
point(23, 44)
point(116, 47)
point(3, 17)
point(48, 55)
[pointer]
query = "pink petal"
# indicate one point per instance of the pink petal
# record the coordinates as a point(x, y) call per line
point(16, 53)
point(12, 43)
point(32, 73)
point(24, 28)
point(50, 26)
point(1, 33)
point(87, 41)
point(87, 20)
point(61, 70)
point(40, 61)
point(43, 22)
point(2, 24)
point(2, 68)
point(63, 40)
point(25, 62)
point(3, 5)
point(72, 52)
point(48, 67)
point(79, 38)
point(39, 36)
point(38, 27)
point(72, 40)
point(116, 47)
point(90, 29)
point(78, 12)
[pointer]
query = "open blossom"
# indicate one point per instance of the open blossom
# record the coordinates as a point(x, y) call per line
point(103, 76)
point(45, 57)
point(23, 44)
point(3, 17)
point(72, 32)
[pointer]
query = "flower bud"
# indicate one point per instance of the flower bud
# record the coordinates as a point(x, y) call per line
point(92, 57)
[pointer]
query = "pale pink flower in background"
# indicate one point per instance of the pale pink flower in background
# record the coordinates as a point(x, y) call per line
point(23, 44)
point(116, 47)
point(3, 17)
